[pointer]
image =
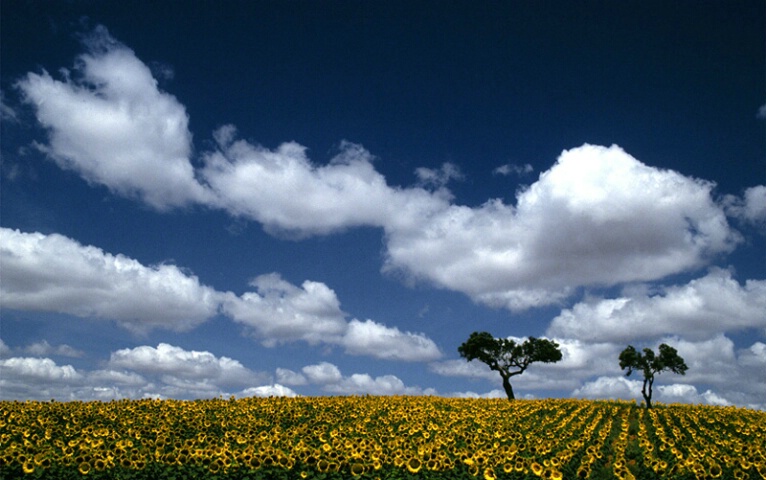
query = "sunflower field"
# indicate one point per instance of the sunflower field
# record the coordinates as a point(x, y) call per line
point(378, 437)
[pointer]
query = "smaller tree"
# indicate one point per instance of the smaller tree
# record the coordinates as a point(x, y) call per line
point(651, 364)
point(507, 357)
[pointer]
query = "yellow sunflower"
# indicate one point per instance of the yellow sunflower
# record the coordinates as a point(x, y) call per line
point(414, 465)
point(357, 469)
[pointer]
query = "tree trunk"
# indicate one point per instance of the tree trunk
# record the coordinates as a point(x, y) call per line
point(648, 395)
point(508, 388)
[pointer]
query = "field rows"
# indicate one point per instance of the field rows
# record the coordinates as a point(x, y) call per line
point(379, 437)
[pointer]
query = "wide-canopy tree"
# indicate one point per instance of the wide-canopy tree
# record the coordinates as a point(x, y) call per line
point(650, 364)
point(508, 357)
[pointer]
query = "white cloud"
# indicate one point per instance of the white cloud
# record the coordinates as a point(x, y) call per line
point(177, 365)
point(42, 369)
point(580, 362)
point(470, 394)
point(714, 364)
point(462, 368)
point(511, 168)
point(577, 358)
point(364, 384)
point(117, 379)
point(710, 361)
point(279, 311)
point(329, 377)
point(751, 208)
point(622, 388)
point(677, 393)
point(429, 177)
point(581, 356)
point(166, 371)
point(597, 217)
point(43, 348)
point(609, 387)
point(114, 127)
point(289, 377)
point(761, 111)
point(5, 350)
point(389, 343)
point(111, 124)
point(38, 378)
point(754, 356)
point(591, 370)
point(324, 373)
point(260, 184)
point(275, 390)
point(56, 274)
point(723, 376)
point(703, 307)
point(7, 114)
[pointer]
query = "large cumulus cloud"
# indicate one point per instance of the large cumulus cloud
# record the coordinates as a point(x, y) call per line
point(598, 217)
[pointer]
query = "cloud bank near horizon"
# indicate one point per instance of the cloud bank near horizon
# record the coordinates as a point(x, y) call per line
point(168, 371)
point(53, 273)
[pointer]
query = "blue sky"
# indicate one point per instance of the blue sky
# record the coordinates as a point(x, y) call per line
point(319, 198)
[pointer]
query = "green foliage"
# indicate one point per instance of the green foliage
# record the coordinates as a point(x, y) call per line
point(506, 356)
point(503, 354)
point(651, 364)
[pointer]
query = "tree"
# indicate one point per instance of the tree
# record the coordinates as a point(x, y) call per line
point(503, 355)
point(651, 364)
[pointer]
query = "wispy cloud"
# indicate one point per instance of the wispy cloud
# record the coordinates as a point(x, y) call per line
point(438, 178)
point(750, 208)
point(513, 169)
point(43, 348)
point(7, 114)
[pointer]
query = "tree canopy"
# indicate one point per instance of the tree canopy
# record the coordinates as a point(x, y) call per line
point(508, 357)
point(650, 364)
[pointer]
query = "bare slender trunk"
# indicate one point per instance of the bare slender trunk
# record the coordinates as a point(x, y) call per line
point(648, 395)
point(508, 388)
